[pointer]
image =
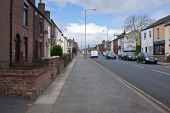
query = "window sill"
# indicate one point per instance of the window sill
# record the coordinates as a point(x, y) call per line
point(26, 27)
point(41, 35)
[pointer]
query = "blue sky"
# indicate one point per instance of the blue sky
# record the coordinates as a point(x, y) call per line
point(110, 14)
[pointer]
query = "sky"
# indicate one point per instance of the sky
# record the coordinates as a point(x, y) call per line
point(69, 15)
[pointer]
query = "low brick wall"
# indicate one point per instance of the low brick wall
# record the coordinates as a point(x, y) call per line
point(29, 82)
point(161, 58)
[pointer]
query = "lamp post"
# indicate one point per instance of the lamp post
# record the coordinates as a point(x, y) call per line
point(85, 27)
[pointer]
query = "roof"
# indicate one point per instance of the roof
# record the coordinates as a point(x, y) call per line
point(56, 26)
point(69, 40)
point(49, 20)
point(160, 21)
point(121, 35)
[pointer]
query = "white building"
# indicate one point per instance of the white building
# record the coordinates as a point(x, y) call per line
point(147, 40)
point(129, 43)
point(120, 45)
point(167, 39)
point(47, 39)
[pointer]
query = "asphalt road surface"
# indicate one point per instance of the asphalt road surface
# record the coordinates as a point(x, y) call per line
point(152, 79)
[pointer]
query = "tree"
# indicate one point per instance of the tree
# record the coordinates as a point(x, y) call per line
point(74, 50)
point(135, 24)
point(138, 49)
point(56, 50)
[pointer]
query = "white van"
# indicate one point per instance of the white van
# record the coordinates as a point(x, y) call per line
point(94, 54)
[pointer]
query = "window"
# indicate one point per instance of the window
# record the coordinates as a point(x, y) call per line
point(146, 49)
point(41, 27)
point(144, 35)
point(49, 32)
point(159, 49)
point(150, 34)
point(40, 44)
point(25, 52)
point(157, 33)
point(25, 14)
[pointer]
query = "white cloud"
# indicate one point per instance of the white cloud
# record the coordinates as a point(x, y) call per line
point(95, 33)
point(114, 6)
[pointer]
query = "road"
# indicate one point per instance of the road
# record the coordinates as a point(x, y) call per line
point(152, 79)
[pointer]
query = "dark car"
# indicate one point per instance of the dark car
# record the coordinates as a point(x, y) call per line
point(130, 56)
point(146, 58)
point(110, 55)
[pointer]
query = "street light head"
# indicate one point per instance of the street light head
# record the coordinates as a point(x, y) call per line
point(91, 9)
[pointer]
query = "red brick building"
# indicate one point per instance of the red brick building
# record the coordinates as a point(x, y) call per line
point(16, 42)
point(22, 36)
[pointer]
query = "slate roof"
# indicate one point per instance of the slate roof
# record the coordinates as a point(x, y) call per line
point(160, 21)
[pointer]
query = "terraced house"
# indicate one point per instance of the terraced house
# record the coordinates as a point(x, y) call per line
point(27, 34)
point(156, 39)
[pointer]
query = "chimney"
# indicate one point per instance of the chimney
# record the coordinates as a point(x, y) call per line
point(32, 1)
point(47, 14)
point(41, 6)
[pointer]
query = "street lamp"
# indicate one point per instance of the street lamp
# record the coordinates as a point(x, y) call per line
point(85, 26)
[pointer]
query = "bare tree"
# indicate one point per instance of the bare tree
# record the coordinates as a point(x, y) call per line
point(135, 24)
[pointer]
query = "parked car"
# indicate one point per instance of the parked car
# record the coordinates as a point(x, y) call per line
point(130, 56)
point(110, 55)
point(121, 55)
point(146, 58)
point(94, 54)
point(104, 53)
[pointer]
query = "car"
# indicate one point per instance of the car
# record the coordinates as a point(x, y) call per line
point(110, 55)
point(94, 54)
point(121, 55)
point(146, 58)
point(130, 56)
point(104, 53)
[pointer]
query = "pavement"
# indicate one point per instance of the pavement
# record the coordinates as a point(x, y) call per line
point(164, 63)
point(12, 104)
point(86, 87)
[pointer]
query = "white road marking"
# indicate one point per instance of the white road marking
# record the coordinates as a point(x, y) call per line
point(160, 72)
point(137, 66)
point(136, 89)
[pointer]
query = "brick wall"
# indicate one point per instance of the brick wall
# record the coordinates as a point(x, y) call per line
point(161, 58)
point(29, 82)
point(4, 30)
point(19, 28)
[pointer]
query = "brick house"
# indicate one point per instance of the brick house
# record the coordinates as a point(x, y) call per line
point(115, 46)
point(23, 32)
point(22, 40)
point(16, 44)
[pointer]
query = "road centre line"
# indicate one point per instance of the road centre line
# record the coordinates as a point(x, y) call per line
point(160, 72)
point(137, 66)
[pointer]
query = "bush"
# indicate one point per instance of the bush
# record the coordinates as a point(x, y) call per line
point(138, 49)
point(56, 50)
point(74, 50)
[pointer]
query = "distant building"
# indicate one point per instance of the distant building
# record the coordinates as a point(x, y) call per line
point(121, 42)
point(115, 46)
point(129, 42)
